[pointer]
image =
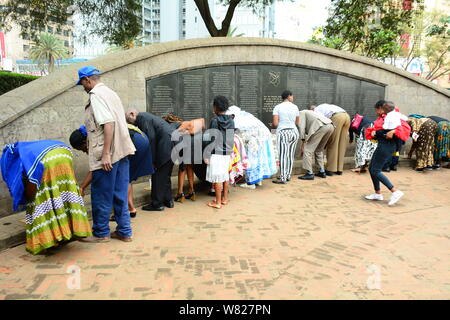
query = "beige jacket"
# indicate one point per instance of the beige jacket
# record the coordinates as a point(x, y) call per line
point(121, 145)
point(310, 123)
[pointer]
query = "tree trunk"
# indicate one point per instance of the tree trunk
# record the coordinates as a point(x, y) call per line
point(205, 12)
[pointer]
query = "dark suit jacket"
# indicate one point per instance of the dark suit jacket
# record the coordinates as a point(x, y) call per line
point(159, 133)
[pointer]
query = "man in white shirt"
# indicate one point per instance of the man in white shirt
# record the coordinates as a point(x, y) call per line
point(285, 120)
point(337, 145)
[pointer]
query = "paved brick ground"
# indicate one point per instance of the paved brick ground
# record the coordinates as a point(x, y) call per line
point(304, 240)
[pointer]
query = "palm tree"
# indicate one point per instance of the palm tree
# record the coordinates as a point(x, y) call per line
point(47, 50)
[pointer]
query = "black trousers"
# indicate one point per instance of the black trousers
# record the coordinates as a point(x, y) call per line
point(161, 185)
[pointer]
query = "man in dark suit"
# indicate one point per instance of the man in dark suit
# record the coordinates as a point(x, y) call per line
point(159, 133)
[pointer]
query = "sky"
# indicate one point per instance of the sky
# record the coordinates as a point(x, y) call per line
point(296, 20)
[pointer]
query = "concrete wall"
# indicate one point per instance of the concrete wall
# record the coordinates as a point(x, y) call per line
point(52, 107)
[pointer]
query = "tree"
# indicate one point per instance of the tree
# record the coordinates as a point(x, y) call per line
point(437, 45)
point(47, 50)
point(372, 28)
point(205, 12)
point(115, 21)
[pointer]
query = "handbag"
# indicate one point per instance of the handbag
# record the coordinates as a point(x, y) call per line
point(356, 121)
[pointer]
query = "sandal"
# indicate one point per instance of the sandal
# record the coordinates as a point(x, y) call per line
point(192, 196)
point(180, 198)
point(213, 204)
point(133, 214)
point(225, 202)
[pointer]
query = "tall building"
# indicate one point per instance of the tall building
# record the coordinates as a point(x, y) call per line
point(16, 48)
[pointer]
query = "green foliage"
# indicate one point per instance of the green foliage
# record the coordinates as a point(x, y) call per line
point(367, 27)
point(115, 21)
point(10, 81)
point(437, 44)
point(47, 50)
point(232, 33)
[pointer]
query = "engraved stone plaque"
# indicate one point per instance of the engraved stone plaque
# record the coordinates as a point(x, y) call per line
point(299, 81)
point(162, 95)
point(249, 89)
point(193, 94)
point(347, 95)
point(257, 89)
point(324, 87)
point(274, 83)
point(370, 94)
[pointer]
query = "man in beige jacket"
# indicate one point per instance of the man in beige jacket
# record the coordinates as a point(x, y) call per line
point(315, 131)
point(337, 145)
point(109, 144)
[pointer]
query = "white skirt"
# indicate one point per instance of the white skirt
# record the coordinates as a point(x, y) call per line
point(217, 170)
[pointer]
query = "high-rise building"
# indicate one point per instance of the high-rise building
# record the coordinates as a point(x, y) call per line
point(16, 47)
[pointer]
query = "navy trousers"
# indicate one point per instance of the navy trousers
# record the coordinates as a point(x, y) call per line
point(109, 190)
point(384, 150)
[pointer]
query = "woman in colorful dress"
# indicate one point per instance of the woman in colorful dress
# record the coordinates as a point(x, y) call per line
point(40, 177)
point(423, 145)
point(364, 148)
point(442, 141)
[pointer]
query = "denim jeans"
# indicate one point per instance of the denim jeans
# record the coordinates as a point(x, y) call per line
point(384, 150)
point(110, 190)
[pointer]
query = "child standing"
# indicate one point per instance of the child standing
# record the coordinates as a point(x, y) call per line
point(219, 160)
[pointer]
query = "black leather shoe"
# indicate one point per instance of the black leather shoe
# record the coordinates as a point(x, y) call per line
point(321, 174)
point(386, 170)
point(393, 169)
point(169, 204)
point(149, 207)
point(328, 173)
point(308, 176)
point(339, 173)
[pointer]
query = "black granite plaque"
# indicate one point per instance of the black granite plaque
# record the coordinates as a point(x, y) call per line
point(193, 102)
point(299, 81)
point(324, 87)
point(257, 89)
point(347, 95)
point(249, 89)
point(274, 83)
point(221, 81)
point(370, 95)
point(162, 95)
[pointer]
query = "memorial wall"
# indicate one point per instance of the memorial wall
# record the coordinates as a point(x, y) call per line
point(257, 89)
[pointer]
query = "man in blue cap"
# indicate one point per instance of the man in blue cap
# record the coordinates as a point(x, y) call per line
point(109, 145)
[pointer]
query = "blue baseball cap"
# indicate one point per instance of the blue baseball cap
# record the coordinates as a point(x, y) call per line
point(87, 72)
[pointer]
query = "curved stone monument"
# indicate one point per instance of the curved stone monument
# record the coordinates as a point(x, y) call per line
point(183, 76)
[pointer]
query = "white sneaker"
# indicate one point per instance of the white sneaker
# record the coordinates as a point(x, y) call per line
point(248, 186)
point(259, 184)
point(375, 196)
point(395, 197)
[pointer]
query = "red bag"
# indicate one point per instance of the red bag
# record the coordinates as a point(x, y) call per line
point(403, 132)
point(356, 121)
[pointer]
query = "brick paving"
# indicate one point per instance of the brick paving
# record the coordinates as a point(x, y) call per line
point(305, 240)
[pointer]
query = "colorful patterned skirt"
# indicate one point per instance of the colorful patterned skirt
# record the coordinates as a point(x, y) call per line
point(442, 142)
point(261, 164)
point(57, 212)
point(424, 146)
